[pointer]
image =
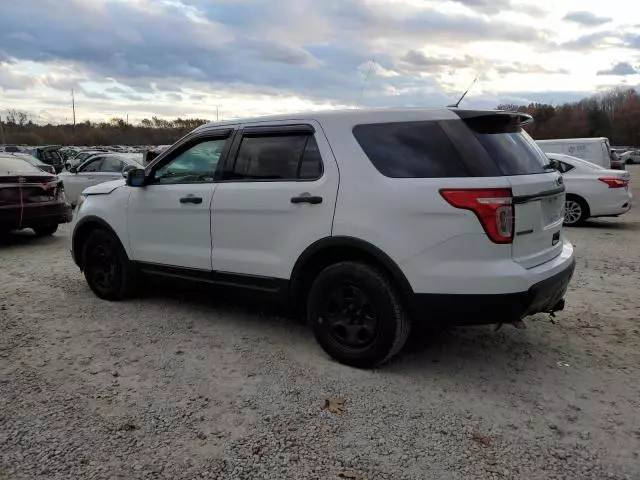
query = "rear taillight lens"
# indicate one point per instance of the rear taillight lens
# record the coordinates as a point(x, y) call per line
point(615, 182)
point(492, 206)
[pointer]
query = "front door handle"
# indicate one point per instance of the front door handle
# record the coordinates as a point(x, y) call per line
point(191, 199)
point(313, 200)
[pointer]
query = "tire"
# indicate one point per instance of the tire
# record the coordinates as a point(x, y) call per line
point(46, 230)
point(576, 211)
point(106, 266)
point(377, 325)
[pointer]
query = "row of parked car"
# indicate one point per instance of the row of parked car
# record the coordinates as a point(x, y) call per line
point(593, 187)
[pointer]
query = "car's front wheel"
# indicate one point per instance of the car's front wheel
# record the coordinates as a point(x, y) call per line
point(106, 266)
point(356, 315)
point(46, 230)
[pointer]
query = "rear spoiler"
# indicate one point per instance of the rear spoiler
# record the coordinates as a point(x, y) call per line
point(519, 118)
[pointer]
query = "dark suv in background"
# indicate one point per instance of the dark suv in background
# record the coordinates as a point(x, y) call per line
point(50, 155)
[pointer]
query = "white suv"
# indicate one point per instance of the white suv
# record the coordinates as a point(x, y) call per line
point(365, 220)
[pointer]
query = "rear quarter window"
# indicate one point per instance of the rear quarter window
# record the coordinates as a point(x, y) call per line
point(410, 150)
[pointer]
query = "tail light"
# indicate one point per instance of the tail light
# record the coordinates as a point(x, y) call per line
point(492, 206)
point(615, 182)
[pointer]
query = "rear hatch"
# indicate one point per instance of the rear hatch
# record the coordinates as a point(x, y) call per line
point(538, 191)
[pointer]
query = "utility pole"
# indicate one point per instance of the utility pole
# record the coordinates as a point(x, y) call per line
point(127, 119)
point(73, 107)
point(217, 114)
point(1, 131)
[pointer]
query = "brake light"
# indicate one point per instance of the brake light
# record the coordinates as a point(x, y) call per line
point(615, 182)
point(492, 206)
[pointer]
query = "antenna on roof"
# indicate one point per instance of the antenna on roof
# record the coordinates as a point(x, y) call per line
point(366, 79)
point(455, 105)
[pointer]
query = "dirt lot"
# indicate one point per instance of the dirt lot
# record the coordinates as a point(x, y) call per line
point(180, 384)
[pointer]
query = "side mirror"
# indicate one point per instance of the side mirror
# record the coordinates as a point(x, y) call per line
point(73, 169)
point(136, 177)
point(126, 170)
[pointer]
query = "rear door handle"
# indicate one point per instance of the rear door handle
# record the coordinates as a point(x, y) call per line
point(313, 200)
point(191, 199)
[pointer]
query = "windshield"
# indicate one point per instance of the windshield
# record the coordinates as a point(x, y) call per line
point(130, 158)
point(14, 165)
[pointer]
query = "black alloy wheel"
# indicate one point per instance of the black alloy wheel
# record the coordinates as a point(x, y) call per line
point(106, 266)
point(351, 316)
point(356, 314)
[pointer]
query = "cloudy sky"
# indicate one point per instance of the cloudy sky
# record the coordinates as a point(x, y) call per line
point(251, 57)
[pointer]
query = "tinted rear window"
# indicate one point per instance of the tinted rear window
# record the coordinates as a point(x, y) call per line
point(513, 150)
point(410, 150)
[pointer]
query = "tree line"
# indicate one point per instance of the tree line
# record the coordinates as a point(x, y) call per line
point(614, 114)
point(17, 127)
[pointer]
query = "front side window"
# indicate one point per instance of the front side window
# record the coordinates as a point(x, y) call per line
point(92, 165)
point(195, 165)
point(111, 165)
point(277, 157)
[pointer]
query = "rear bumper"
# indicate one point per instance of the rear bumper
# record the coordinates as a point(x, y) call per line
point(36, 215)
point(615, 205)
point(450, 310)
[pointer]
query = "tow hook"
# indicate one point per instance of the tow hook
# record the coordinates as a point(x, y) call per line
point(556, 308)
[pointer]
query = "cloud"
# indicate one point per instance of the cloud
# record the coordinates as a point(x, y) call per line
point(486, 6)
point(586, 19)
point(592, 41)
point(415, 61)
point(255, 55)
point(302, 48)
point(620, 69)
point(10, 80)
point(526, 68)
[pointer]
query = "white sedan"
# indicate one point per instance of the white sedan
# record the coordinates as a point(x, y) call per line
point(592, 191)
point(97, 169)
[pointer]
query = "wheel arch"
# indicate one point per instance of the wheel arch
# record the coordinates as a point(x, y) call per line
point(330, 250)
point(581, 199)
point(81, 232)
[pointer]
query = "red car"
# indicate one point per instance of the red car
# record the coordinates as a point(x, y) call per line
point(30, 198)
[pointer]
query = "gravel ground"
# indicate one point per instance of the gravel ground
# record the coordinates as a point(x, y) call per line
point(184, 384)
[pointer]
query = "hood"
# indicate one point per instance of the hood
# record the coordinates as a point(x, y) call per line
point(104, 188)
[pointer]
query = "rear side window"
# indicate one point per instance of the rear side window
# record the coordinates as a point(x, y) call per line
point(277, 157)
point(513, 150)
point(410, 150)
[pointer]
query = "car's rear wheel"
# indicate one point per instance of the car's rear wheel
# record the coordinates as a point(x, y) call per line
point(576, 211)
point(45, 231)
point(106, 266)
point(356, 315)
